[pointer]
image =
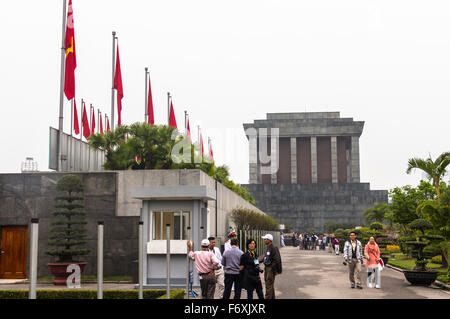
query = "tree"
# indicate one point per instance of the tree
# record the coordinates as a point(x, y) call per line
point(67, 234)
point(376, 213)
point(435, 170)
point(438, 213)
point(150, 147)
point(376, 226)
point(405, 201)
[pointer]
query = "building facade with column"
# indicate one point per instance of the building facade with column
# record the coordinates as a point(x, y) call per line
point(305, 169)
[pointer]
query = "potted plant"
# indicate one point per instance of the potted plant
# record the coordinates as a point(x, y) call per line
point(67, 232)
point(420, 274)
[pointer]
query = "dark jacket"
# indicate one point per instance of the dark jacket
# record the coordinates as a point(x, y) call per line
point(272, 259)
point(250, 278)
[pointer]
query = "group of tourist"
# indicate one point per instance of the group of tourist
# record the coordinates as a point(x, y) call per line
point(306, 241)
point(236, 269)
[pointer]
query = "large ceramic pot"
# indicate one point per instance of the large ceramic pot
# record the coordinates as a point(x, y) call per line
point(422, 278)
point(59, 271)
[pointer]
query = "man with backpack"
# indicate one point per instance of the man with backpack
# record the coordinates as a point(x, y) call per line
point(273, 266)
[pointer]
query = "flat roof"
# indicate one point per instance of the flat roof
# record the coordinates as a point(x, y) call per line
point(181, 192)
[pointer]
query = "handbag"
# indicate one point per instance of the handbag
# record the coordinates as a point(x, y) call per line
point(380, 265)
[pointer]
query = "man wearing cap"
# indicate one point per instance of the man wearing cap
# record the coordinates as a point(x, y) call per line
point(205, 263)
point(272, 262)
point(227, 244)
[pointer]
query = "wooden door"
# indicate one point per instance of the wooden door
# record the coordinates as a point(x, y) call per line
point(14, 249)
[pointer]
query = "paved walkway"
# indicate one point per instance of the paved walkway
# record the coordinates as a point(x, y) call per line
point(312, 275)
point(321, 275)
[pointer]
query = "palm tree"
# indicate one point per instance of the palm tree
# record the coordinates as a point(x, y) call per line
point(435, 170)
point(110, 142)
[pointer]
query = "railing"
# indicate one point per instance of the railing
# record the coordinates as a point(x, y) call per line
point(257, 235)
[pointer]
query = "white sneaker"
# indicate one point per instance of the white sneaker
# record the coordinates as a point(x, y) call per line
point(377, 286)
point(370, 285)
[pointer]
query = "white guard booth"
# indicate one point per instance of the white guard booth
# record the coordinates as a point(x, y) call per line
point(180, 206)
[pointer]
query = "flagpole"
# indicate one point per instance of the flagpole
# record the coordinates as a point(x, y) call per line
point(71, 135)
point(146, 96)
point(61, 93)
point(89, 151)
point(81, 135)
point(113, 77)
point(185, 121)
point(168, 108)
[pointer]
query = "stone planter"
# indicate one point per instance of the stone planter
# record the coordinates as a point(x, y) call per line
point(420, 278)
point(60, 274)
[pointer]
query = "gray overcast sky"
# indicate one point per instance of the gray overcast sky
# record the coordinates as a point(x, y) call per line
point(228, 62)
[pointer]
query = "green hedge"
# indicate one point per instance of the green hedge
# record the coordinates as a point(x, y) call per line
point(89, 294)
point(177, 294)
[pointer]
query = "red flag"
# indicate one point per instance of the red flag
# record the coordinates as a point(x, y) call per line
point(86, 129)
point(101, 123)
point(211, 151)
point(201, 142)
point(189, 132)
point(108, 128)
point(93, 121)
point(172, 119)
point(76, 126)
point(71, 59)
point(119, 88)
point(151, 116)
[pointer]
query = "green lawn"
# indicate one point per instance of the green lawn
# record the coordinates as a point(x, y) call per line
point(402, 261)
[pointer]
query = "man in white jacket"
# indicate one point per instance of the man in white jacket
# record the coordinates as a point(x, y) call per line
point(219, 272)
point(353, 255)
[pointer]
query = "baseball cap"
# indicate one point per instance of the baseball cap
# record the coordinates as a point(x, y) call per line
point(205, 242)
point(232, 234)
point(268, 236)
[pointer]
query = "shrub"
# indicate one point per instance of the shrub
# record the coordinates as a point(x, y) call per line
point(376, 226)
point(90, 294)
point(248, 219)
point(437, 259)
point(393, 248)
point(177, 294)
point(431, 251)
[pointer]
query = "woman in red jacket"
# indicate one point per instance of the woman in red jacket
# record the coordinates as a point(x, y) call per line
point(372, 254)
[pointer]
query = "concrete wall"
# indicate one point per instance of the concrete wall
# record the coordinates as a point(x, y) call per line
point(312, 205)
point(26, 196)
point(107, 198)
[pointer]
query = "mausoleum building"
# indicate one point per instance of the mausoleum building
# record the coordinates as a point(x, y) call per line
point(305, 169)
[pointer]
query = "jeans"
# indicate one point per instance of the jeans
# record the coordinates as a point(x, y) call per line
point(229, 280)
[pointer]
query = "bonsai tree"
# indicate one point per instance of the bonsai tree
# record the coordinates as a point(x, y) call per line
point(376, 226)
point(67, 233)
point(421, 242)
